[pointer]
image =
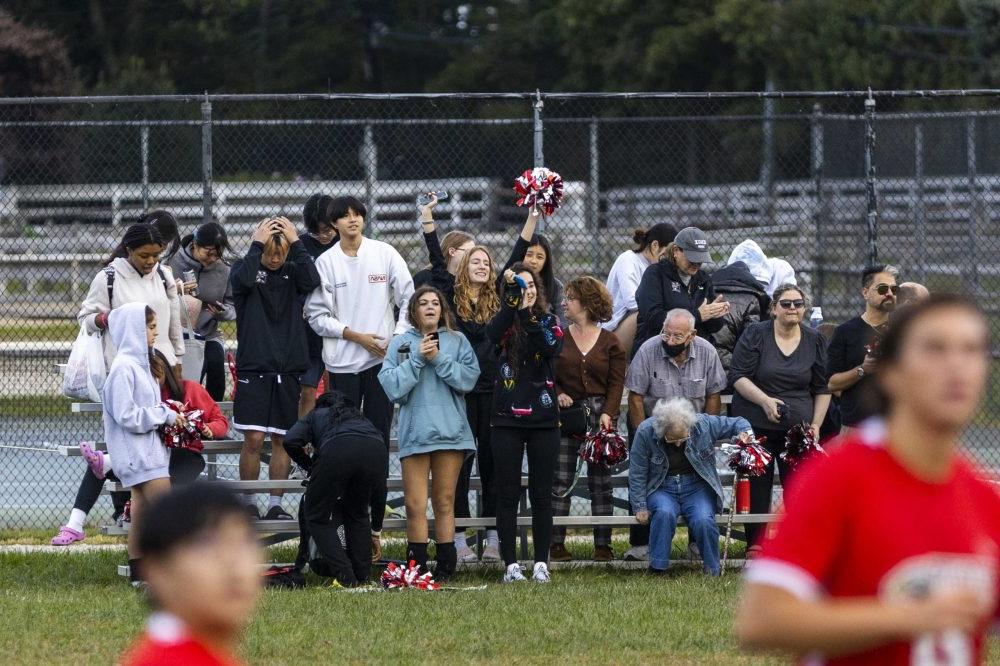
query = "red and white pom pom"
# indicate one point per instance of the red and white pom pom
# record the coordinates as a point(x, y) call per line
point(539, 188)
point(800, 444)
point(396, 577)
point(187, 436)
point(606, 447)
point(748, 457)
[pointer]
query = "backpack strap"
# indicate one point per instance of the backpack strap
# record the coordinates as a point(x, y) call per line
point(163, 278)
point(109, 273)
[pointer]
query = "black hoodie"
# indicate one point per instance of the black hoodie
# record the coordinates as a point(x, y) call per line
point(748, 303)
point(270, 328)
point(661, 290)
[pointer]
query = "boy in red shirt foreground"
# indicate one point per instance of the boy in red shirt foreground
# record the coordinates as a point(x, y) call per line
point(887, 552)
point(201, 561)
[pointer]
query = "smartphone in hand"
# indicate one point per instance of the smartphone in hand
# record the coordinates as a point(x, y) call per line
point(425, 199)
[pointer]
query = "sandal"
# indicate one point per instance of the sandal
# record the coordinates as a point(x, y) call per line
point(95, 459)
point(67, 536)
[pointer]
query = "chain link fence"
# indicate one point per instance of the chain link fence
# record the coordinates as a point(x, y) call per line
point(828, 181)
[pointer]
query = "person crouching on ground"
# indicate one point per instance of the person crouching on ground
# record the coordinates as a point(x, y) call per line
point(347, 479)
point(203, 564)
point(672, 474)
point(133, 410)
point(272, 351)
point(428, 370)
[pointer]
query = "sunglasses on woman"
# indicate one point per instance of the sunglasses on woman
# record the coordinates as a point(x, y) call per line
point(884, 289)
point(789, 304)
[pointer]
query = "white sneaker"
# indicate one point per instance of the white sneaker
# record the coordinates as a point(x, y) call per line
point(466, 555)
point(491, 553)
point(541, 573)
point(513, 574)
point(636, 554)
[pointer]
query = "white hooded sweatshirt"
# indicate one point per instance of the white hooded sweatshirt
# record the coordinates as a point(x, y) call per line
point(132, 405)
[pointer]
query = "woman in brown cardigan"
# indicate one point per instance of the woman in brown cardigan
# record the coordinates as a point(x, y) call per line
point(590, 369)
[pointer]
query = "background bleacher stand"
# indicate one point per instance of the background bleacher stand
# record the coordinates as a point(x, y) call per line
point(824, 180)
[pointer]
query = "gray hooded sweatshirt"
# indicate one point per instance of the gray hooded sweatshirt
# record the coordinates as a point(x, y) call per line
point(132, 405)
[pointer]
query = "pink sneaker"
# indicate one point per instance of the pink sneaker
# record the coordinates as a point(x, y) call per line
point(95, 459)
point(67, 536)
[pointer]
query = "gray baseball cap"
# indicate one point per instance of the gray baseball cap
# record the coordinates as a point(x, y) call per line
point(694, 243)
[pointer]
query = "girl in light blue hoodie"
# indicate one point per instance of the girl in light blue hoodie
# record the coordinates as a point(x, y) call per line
point(133, 410)
point(428, 370)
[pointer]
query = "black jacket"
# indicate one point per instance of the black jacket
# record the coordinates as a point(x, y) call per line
point(748, 304)
point(269, 324)
point(661, 290)
point(553, 292)
point(314, 247)
point(525, 396)
point(315, 428)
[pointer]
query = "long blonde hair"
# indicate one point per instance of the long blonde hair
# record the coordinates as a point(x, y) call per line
point(488, 302)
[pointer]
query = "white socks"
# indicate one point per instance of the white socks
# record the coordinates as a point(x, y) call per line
point(76, 520)
point(107, 463)
point(273, 501)
point(492, 538)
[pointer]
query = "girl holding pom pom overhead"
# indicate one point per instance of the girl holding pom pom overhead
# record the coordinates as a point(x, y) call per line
point(525, 414)
point(888, 549)
point(535, 251)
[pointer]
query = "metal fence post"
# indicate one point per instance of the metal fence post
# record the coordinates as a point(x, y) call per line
point(594, 196)
point(538, 136)
point(871, 196)
point(144, 152)
point(818, 256)
point(920, 211)
point(369, 163)
point(974, 203)
point(206, 161)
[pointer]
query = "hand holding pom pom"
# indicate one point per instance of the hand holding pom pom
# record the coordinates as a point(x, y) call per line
point(539, 189)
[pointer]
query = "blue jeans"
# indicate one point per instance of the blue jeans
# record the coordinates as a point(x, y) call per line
point(687, 496)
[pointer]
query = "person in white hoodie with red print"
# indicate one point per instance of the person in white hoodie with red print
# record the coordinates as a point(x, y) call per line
point(361, 281)
point(133, 409)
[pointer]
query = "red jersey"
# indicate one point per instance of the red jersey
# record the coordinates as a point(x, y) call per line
point(858, 524)
point(167, 643)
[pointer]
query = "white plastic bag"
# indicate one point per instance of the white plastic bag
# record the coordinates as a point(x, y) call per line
point(85, 371)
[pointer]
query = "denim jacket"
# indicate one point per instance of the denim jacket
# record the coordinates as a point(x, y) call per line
point(648, 458)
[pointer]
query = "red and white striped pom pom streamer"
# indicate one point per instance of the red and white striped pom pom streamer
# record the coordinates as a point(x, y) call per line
point(800, 444)
point(396, 577)
point(749, 457)
point(187, 436)
point(539, 188)
point(606, 447)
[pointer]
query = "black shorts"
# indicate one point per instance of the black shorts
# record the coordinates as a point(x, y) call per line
point(315, 372)
point(267, 402)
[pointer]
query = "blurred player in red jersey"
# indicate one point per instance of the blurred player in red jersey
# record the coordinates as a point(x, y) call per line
point(202, 564)
point(887, 551)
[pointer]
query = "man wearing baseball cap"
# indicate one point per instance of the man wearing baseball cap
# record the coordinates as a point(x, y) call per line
point(678, 281)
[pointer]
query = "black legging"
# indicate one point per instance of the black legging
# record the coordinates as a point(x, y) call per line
point(478, 407)
point(509, 445)
point(342, 481)
point(213, 372)
point(761, 486)
point(185, 467)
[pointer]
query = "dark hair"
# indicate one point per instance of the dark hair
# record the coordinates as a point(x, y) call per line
point(135, 236)
point(210, 234)
point(548, 272)
point(662, 232)
point(445, 319)
point(593, 297)
point(890, 347)
point(158, 365)
point(868, 275)
point(340, 206)
point(341, 407)
point(314, 213)
point(178, 517)
point(166, 224)
point(514, 341)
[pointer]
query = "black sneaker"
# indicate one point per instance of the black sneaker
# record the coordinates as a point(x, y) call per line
point(277, 513)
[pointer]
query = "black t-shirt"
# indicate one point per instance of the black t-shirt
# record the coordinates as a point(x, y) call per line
point(677, 461)
point(846, 352)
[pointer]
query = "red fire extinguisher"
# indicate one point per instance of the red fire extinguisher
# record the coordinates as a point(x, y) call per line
point(742, 494)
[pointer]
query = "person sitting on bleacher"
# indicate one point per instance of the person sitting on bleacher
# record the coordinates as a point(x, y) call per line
point(672, 473)
point(185, 465)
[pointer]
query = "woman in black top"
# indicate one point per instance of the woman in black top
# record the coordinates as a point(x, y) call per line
point(445, 254)
point(535, 252)
point(525, 414)
point(779, 375)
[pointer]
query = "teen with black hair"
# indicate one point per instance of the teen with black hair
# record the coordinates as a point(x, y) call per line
point(525, 414)
point(535, 251)
point(268, 287)
point(347, 480)
point(185, 465)
point(164, 222)
point(210, 295)
point(203, 574)
point(321, 237)
point(362, 280)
